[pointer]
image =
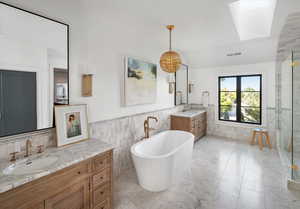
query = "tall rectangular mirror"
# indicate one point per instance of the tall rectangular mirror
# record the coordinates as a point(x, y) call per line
point(34, 70)
point(181, 85)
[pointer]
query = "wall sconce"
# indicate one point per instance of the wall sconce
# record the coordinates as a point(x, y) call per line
point(171, 81)
point(191, 85)
point(87, 73)
point(87, 85)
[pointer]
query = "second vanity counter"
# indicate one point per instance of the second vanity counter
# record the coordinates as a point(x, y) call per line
point(190, 113)
point(65, 157)
point(193, 121)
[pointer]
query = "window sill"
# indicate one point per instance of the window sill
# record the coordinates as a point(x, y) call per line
point(237, 124)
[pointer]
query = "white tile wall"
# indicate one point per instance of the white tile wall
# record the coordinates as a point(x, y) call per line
point(236, 131)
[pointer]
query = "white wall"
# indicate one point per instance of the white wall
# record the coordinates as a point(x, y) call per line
point(111, 35)
point(207, 80)
point(101, 35)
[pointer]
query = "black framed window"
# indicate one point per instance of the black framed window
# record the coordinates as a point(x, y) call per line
point(240, 98)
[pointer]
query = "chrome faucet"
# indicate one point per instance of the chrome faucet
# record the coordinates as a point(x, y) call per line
point(146, 126)
point(28, 148)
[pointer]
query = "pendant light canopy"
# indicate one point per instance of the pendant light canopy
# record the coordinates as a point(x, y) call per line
point(170, 61)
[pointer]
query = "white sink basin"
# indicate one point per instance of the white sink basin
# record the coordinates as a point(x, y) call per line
point(27, 166)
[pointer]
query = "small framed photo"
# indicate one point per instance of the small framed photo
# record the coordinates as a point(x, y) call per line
point(71, 124)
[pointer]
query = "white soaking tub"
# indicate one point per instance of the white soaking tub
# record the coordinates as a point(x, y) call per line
point(162, 159)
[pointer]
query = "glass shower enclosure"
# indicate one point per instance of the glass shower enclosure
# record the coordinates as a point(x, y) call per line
point(289, 113)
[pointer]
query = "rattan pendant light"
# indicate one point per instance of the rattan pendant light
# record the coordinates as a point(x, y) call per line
point(170, 61)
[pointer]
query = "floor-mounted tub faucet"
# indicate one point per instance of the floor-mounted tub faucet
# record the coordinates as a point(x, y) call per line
point(146, 125)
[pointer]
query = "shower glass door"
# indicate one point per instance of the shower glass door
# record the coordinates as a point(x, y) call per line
point(295, 160)
point(285, 120)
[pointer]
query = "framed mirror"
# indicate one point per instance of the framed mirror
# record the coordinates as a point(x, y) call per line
point(34, 70)
point(181, 85)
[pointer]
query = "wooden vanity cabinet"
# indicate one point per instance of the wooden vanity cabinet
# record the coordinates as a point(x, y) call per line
point(36, 206)
point(86, 185)
point(196, 125)
point(75, 197)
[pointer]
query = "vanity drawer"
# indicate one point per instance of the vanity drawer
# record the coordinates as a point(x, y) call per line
point(100, 162)
point(101, 194)
point(203, 118)
point(77, 172)
point(104, 205)
point(193, 123)
point(101, 178)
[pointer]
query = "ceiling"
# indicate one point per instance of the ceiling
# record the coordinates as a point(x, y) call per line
point(205, 30)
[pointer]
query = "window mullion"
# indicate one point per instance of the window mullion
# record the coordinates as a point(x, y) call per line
point(238, 98)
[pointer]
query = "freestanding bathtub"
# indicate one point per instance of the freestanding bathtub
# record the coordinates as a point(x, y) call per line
point(162, 159)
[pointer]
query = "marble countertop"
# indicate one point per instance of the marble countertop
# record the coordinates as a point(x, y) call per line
point(190, 113)
point(66, 156)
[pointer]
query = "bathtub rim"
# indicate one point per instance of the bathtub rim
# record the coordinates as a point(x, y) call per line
point(132, 149)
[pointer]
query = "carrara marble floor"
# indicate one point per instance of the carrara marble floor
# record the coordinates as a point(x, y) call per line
point(225, 175)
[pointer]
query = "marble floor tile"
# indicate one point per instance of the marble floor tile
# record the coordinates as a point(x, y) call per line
point(225, 174)
point(250, 199)
point(221, 200)
point(255, 185)
point(229, 185)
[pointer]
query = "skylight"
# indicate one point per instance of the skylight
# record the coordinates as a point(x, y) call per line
point(253, 18)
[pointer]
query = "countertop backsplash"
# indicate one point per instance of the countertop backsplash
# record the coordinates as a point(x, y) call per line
point(47, 138)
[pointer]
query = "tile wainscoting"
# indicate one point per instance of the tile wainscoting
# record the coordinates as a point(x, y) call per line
point(233, 131)
point(122, 133)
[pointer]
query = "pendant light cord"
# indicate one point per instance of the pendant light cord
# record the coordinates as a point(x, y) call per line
point(170, 39)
